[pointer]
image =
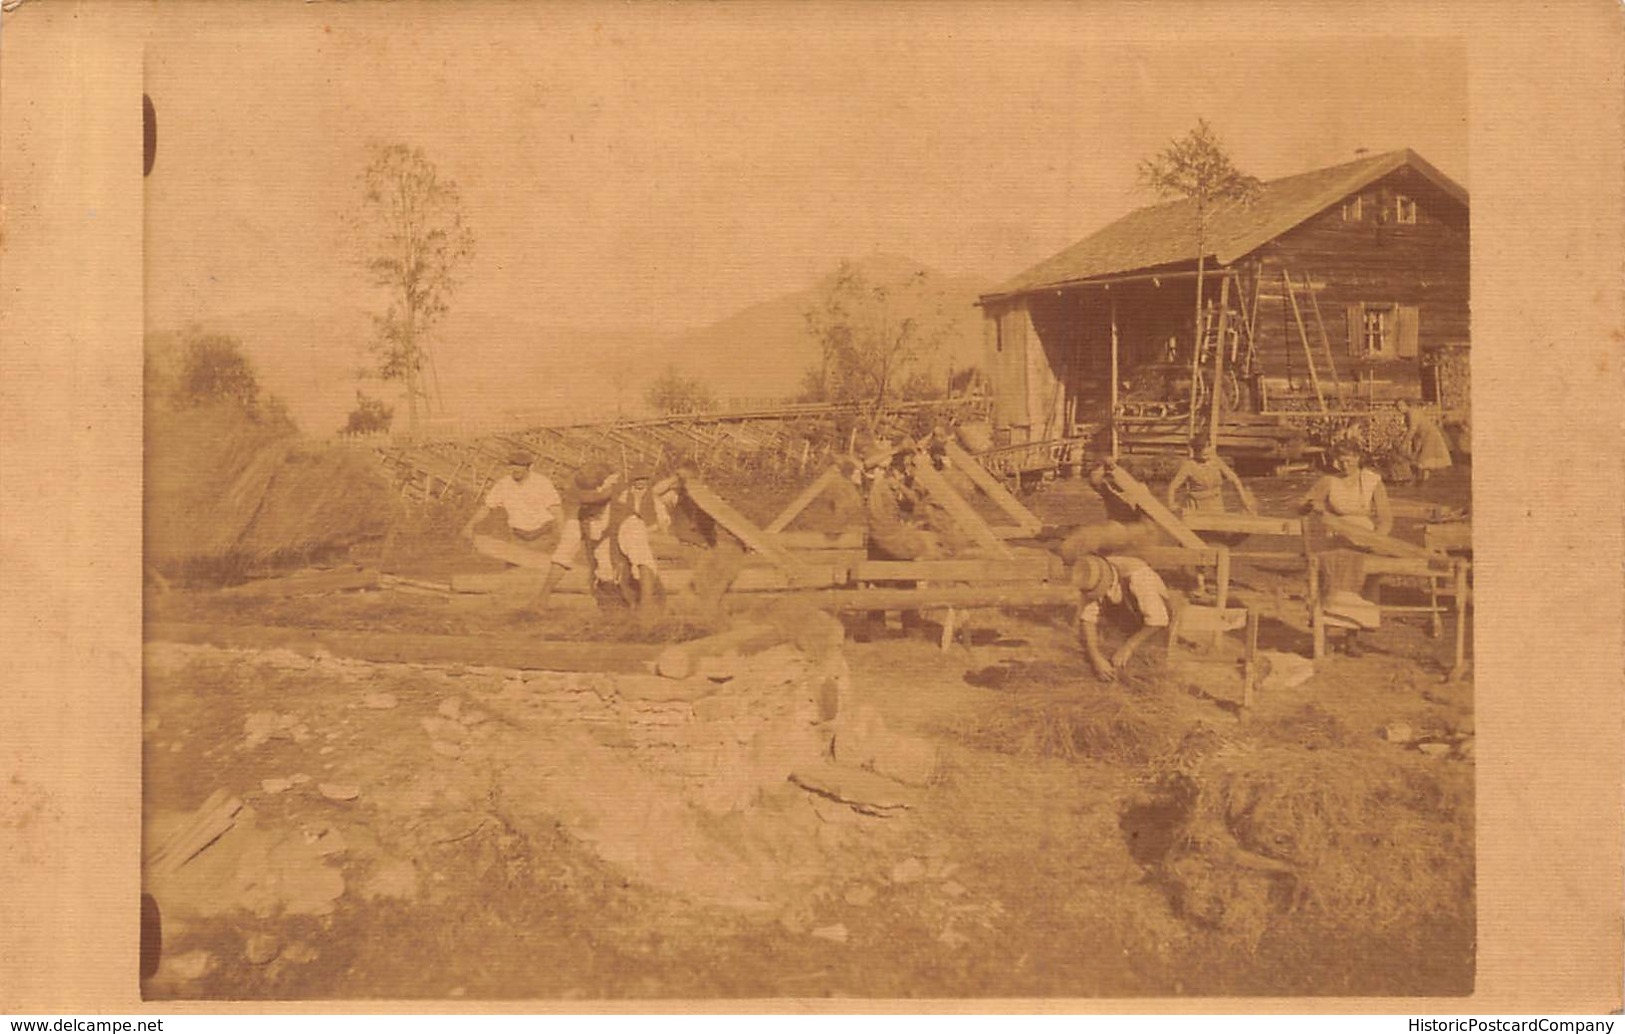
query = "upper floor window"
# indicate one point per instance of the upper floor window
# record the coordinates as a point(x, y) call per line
point(1404, 210)
point(1353, 210)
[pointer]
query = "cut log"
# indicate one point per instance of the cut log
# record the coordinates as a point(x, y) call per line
point(734, 522)
point(301, 584)
point(937, 487)
point(1025, 519)
point(520, 651)
point(212, 819)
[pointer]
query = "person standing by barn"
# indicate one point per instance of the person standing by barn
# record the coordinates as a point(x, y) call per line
point(1203, 477)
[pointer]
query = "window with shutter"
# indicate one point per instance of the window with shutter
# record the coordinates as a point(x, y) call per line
point(1356, 331)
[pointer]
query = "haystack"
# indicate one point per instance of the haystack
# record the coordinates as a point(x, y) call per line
point(1363, 836)
point(1056, 712)
point(226, 493)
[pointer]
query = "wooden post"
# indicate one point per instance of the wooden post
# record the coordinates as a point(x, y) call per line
point(1218, 357)
point(1222, 576)
point(1249, 670)
point(1460, 667)
point(1111, 302)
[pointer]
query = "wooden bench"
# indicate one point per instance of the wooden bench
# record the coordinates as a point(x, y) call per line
point(1434, 570)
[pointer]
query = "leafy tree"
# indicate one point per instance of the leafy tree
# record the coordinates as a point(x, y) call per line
point(214, 369)
point(871, 334)
point(1198, 168)
point(415, 243)
point(369, 416)
point(675, 394)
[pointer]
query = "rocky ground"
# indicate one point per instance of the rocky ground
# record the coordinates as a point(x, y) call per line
point(882, 819)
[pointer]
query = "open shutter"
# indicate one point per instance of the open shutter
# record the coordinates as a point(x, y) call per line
point(1407, 321)
point(1356, 325)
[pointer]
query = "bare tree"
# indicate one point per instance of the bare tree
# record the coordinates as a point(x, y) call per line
point(415, 242)
point(1197, 167)
point(871, 335)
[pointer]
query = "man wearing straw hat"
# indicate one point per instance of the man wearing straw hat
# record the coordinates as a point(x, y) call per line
point(1126, 582)
point(527, 498)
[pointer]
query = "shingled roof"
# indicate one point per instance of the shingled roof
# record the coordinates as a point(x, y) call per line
point(1160, 235)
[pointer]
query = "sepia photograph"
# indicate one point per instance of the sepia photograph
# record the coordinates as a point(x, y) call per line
point(756, 507)
point(863, 518)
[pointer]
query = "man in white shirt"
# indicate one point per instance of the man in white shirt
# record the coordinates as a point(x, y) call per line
point(1124, 581)
point(527, 498)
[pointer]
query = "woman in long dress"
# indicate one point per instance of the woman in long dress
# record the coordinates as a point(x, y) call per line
point(1355, 495)
point(1425, 444)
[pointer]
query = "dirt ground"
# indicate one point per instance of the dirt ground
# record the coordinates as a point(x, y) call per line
point(423, 830)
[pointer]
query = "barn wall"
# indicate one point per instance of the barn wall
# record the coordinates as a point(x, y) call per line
point(1373, 261)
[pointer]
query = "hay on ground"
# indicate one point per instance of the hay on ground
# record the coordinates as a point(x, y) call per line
point(1097, 722)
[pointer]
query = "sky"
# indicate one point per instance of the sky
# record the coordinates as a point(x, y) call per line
point(664, 165)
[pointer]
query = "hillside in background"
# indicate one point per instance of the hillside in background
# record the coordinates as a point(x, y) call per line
point(504, 369)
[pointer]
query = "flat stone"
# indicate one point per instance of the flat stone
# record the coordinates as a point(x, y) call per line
point(860, 896)
point(1398, 732)
point(299, 779)
point(836, 932)
point(380, 701)
point(1436, 750)
point(276, 785)
point(446, 750)
point(261, 726)
point(451, 708)
point(339, 791)
point(443, 729)
point(261, 948)
point(473, 718)
point(953, 889)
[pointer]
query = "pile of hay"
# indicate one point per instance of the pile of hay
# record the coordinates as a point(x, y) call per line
point(226, 494)
point(1090, 720)
point(1362, 836)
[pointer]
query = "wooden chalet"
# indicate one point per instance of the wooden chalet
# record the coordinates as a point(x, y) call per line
point(1333, 291)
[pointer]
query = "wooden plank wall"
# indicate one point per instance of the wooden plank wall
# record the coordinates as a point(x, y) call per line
point(1370, 261)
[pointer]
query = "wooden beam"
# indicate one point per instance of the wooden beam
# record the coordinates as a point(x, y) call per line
point(855, 539)
point(1111, 302)
point(298, 584)
point(1132, 490)
point(735, 522)
point(1218, 356)
point(938, 488)
point(1242, 524)
point(1001, 496)
point(937, 597)
point(1170, 557)
point(802, 501)
point(1021, 569)
point(1385, 545)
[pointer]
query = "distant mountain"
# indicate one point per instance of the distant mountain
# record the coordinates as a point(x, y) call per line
point(763, 351)
point(502, 369)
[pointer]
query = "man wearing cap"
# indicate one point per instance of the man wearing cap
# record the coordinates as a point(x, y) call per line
point(616, 537)
point(1123, 581)
point(527, 498)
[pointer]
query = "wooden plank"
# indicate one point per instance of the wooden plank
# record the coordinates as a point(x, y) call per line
point(1242, 524)
point(802, 501)
point(1132, 490)
point(735, 522)
point(1447, 537)
point(937, 487)
point(989, 484)
point(1022, 569)
point(1218, 355)
point(522, 651)
point(298, 584)
point(1385, 545)
point(936, 597)
point(855, 539)
point(1173, 557)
